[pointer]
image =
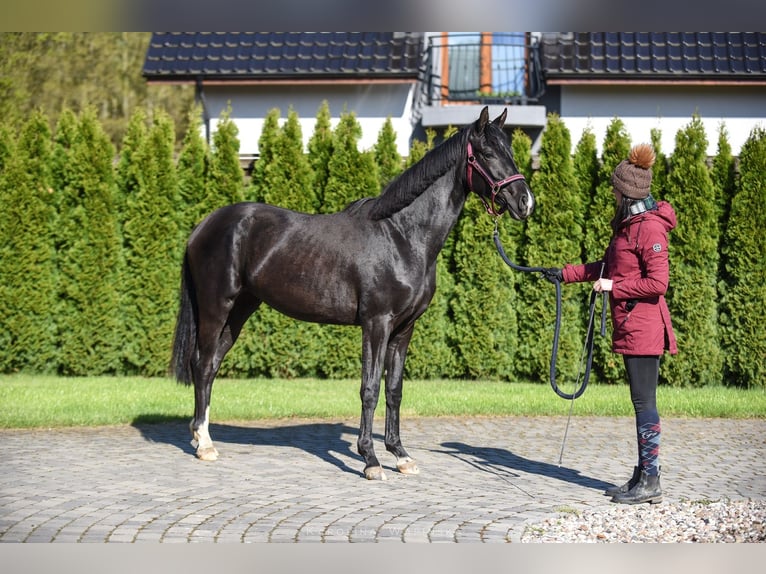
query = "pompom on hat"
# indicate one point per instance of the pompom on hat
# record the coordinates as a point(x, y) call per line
point(633, 177)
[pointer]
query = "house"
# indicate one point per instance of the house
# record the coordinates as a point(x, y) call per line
point(371, 73)
point(657, 80)
point(432, 80)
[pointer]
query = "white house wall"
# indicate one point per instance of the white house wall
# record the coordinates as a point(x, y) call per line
point(668, 108)
point(372, 103)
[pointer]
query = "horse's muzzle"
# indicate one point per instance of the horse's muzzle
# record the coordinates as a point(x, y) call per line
point(526, 204)
point(521, 206)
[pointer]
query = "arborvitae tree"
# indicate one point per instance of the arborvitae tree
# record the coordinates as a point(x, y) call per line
point(484, 300)
point(554, 235)
point(259, 187)
point(36, 148)
point(225, 177)
point(62, 173)
point(192, 176)
point(273, 344)
point(521, 145)
point(152, 253)
point(483, 304)
point(62, 170)
point(514, 235)
point(692, 295)
point(660, 168)
point(723, 174)
point(90, 258)
point(27, 264)
point(600, 209)
point(607, 366)
point(431, 353)
point(321, 150)
point(586, 170)
point(744, 299)
point(352, 175)
point(419, 149)
point(386, 154)
point(128, 168)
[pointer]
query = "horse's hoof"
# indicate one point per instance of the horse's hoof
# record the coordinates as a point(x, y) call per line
point(374, 473)
point(407, 466)
point(209, 453)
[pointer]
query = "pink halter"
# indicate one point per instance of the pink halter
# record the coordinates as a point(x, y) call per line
point(495, 186)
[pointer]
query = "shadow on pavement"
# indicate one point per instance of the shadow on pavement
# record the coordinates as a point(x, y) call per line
point(323, 440)
point(503, 463)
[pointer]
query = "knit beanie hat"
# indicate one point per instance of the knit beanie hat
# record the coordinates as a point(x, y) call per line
point(633, 177)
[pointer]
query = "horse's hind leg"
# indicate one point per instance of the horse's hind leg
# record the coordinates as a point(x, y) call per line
point(218, 331)
point(395, 357)
point(213, 344)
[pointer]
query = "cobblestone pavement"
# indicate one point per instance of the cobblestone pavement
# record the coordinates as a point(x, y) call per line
point(481, 479)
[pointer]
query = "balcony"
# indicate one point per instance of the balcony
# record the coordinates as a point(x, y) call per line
point(464, 72)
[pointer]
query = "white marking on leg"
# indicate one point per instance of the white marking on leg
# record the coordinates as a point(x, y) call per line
point(202, 435)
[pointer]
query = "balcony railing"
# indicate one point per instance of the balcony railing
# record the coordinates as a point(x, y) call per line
point(483, 68)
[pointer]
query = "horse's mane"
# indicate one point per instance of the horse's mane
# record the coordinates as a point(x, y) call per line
point(403, 190)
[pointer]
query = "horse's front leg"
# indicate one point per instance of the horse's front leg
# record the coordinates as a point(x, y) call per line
point(374, 339)
point(395, 357)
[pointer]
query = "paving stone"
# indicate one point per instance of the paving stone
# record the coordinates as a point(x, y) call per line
point(481, 480)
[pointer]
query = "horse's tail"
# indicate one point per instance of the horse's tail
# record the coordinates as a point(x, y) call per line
point(185, 339)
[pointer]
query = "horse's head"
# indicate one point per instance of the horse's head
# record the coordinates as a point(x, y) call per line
point(491, 172)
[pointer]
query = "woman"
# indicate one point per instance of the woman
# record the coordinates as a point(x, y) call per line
point(636, 274)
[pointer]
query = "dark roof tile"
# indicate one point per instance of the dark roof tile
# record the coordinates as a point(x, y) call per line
point(173, 55)
point(653, 55)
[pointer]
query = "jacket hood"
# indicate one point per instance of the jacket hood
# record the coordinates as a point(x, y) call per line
point(664, 213)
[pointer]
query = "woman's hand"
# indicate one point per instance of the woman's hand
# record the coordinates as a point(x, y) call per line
point(602, 285)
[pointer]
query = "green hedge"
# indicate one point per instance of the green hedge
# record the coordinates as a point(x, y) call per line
point(91, 240)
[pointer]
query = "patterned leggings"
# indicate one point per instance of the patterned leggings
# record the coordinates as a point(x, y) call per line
point(643, 374)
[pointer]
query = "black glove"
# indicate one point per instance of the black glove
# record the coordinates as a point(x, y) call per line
point(553, 274)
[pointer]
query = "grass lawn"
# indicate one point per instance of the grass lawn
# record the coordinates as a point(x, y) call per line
point(45, 401)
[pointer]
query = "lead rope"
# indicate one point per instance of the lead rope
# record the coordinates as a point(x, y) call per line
point(588, 340)
point(557, 327)
point(588, 343)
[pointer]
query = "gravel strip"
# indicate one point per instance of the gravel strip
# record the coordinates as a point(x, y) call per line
point(688, 521)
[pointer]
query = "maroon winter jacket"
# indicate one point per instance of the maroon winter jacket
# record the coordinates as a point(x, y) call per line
point(637, 261)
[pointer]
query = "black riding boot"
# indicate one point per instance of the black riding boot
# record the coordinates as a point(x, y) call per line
point(647, 489)
point(613, 490)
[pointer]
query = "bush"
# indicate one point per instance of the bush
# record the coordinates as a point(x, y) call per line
point(554, 236)
point(692, 294)
point(90, 257)
point(744, 293)
point(151, 217)
point(72, 219)
point(27, 256)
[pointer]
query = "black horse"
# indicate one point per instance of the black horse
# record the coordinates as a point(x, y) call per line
point(372, 264)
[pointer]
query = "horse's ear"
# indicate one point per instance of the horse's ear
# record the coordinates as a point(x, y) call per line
point(483, 119)
point(499, 121)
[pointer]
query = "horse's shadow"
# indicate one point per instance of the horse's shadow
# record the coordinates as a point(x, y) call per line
point(325, 440)
point(504, 464)
point(329, 441)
